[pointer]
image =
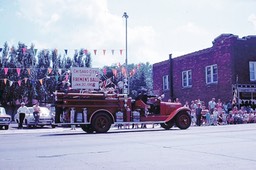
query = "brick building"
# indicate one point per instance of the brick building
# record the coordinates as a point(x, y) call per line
point(217, 71)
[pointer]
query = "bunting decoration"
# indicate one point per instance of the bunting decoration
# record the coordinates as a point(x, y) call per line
point(19, 82)
point(59, 71)
point(18, 71)
point(104, 71)
point(35, 52)
point(5, 71)
point(85, 52)
point(24, 50)
point(41, 81)
point(124, 71)
point(49, 70)
point(28, 71)
point(114, 71)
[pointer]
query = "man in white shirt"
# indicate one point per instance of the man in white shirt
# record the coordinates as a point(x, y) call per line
point(22, 111)
point(212, 105)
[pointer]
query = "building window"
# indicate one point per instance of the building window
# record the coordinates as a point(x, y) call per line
point(187, 78)
point(252, 70)
point(211, 74)
point(166, 82)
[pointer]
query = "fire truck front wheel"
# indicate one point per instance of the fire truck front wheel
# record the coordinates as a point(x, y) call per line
point(167, 125)
point(183, 120)
point(101, 122)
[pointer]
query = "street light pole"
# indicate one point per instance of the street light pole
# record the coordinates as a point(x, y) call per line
point(126, 80)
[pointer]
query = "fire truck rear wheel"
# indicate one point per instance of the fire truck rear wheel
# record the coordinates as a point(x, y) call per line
point(183, 120)
point(101, 122)
point(87, 128)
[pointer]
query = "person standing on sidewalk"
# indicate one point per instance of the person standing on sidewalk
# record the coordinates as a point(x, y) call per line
point(22, 111)
point(36, 113)
point(198, 114)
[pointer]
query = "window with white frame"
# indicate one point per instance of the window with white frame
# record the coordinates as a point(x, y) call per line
point(187, 78)
point(252, 66)
point(166, 82)
point(211, 74)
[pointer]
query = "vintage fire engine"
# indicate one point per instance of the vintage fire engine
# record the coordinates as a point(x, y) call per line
point(98, 111)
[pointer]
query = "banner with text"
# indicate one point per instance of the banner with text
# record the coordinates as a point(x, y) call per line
point(85, 78)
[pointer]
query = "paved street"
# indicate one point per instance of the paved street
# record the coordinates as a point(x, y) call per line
point(214, 147)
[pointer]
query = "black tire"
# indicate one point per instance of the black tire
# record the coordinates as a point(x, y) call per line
point(101, 122)
point(1, 127)
point(167, 125)
point(183, 120)
point(6, 127)
point(53, 126)
point(87, 128)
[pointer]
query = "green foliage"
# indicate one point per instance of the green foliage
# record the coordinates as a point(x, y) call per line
point(38, 82)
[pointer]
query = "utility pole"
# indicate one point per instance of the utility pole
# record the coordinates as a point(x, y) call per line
point(126, 80)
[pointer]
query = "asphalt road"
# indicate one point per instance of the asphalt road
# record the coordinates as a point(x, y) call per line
point(215, 147)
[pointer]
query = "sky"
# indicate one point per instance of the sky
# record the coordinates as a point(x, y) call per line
point(155, 28)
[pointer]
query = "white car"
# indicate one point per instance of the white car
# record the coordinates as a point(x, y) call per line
point(45, 118)
point(5, 119)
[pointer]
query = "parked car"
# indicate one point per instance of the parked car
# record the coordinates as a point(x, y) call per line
point(5, 119)
point(45, 118)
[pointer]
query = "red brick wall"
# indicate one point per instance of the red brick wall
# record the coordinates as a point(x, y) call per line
point(159, 70)
point(232, 56)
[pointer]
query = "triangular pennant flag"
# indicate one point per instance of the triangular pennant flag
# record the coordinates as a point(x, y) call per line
point(124, 71)
point(121, 52)
point(18, 71)
point(113, 51)
point(19, 82)
point(11, 82)
point(1, 49)
point(35, 51)
point(24, 50)
point(85, 51)
point(5, 71)
point(104, 52)
point(41, 81)
point(28, 71)
point(95, 52)
point(59, 71)
point(66, 77)
point(66, 51)
point(49, 70)
point(114, 72)
point(26, 79)
point(104, 71)
point(5, 80)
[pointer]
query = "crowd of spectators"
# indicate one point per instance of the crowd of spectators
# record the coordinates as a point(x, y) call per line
point(219, 113)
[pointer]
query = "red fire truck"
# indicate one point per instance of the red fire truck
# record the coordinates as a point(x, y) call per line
point(98, 111)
